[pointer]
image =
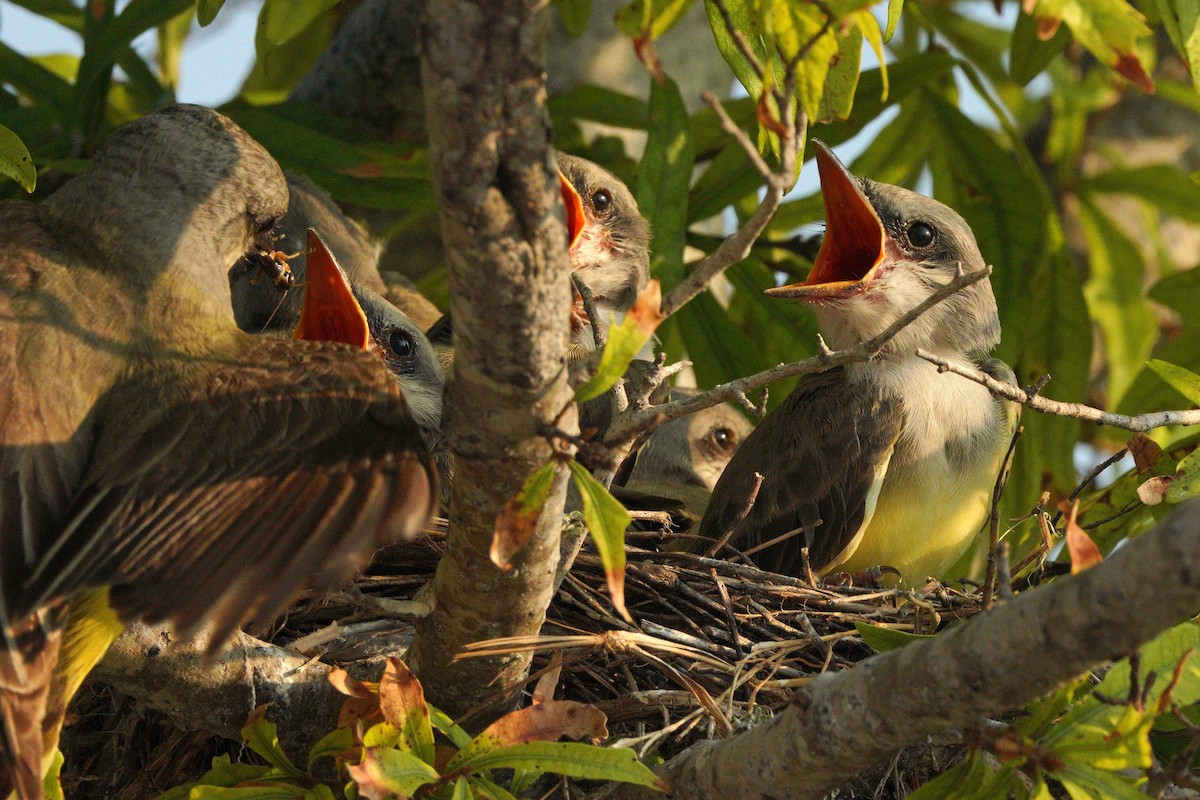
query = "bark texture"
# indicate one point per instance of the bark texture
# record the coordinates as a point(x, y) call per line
point(170, 674)
point(843, 723)
point(502, 223)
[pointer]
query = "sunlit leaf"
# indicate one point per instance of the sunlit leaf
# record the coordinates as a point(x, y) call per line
point(972, 779)
point(1166, 187)
point(606, 521)
point(547, 721)
point(263, 738)
point(402, 701)
point(624, 342)
point(1109, 28)
point(1184, 381)
point(573, 760)
point(387, 772)
point(1084, 553)
point(15, 161)
point(599, 104)
point(1171, 489)
point(842, 78)
point(518, 519)
point(278, 67)
point(283, 20)
point(1181, 19)
point(895, 7)
point(651, 18)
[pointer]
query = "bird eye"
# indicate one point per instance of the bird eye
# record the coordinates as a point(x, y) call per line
point(724, 438)
point(921, 235)
point(601, 200)
point(400, 343)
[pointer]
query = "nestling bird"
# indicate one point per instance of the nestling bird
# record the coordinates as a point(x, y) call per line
point(202, 475)
point(610, 245)
point(879, 463)
point(259, 306)
point(683, 459)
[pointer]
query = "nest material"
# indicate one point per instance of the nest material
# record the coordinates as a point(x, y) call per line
point(716, 646)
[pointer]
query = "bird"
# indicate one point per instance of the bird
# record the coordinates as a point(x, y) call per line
point(683, 459)
point(609, 241)
point(878, 463)
point(149, 450)
point(260, 305)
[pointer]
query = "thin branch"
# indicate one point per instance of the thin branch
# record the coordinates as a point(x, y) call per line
point(639, 420)
point(989, 583)
point(737, 246)
point(1138, 424)
point(739, 519)
point(589, 308)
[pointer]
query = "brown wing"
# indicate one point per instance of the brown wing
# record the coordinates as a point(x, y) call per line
point(221, 488)
point(819, 454)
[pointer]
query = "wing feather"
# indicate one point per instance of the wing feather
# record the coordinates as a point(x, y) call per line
point(820, 453)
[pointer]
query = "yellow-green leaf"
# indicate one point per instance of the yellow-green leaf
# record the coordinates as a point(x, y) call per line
point(402, 700)
point(263, 738)
point(15, 161)
point(624, 342)
point(606, 520)
point(283, 20)
point(895, 7)
point(518, 519)
point(206, 11)
point(387, 772)
point(651, 18)
point(843, 77)
point(1109, 28)
point(575, 15)
point(572, 759)
point(1184, 381)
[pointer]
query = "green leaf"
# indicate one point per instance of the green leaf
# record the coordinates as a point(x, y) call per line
point(720, 352)
point(572, 759)
point(462, 790)
point(803, 25)
point(15, 161)
point(1161, 655)
point(487, 790)
point(51, 783)
point(449, 728)
point(842, 78)
point(895, 7)
point(271, 791)
point(283, 20)
point(1114, 296)
point(606, 520)
point(884, 639)
point(1109, 28)
point(972, 779)
point(262, 737)
point(279, 67)
point(64, 12)
point(651, 18)
point(387, 771)
point(1030, 53)
point(223, 773)
point(729, 178)
point(1149, 392)
point(624, 342)
point(575, 15)
point(1083, 782)
point(1041, 713)
point(206, 11)
point(740, 16)
point(1184, 381)
point(663, 178)
point(41, 85)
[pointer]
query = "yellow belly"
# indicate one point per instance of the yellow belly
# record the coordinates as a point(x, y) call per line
point(925, 518)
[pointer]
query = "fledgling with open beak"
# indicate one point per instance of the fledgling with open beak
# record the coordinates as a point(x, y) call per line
point(683, 459)
point(609, 241)
point(885, 463)
point(154, 458)
point(260, 306)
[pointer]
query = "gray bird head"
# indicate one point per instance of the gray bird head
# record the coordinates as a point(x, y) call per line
point(886, 249)
point(610, 251)
point(683, 458)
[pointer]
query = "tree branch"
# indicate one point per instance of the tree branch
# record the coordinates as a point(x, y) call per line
point(483, 65)
point(1139, 424)
point(842, 723)
point(638, 420)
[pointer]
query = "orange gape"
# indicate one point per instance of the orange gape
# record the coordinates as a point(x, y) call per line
point(330, 312)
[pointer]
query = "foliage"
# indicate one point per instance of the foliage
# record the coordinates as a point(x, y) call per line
point(390, 743)
point(1094, 741)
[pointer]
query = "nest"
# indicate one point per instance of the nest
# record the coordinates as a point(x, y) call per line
point(716, 645)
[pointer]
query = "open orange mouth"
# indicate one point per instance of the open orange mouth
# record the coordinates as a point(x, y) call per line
point(574, 204)
point(854, 237)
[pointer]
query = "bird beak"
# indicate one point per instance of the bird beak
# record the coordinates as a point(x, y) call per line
point(330, 312)
point(574, 204)
point(854, 237)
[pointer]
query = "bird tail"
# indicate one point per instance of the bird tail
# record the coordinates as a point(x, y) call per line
point(27, 658)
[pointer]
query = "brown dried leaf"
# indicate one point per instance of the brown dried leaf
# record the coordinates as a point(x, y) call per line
point(547, 721)
point(546, 684)
point(1145, 452)
point(647, 309)
point(362, 702)
point(1084, 553)
point(517, 521)
point(402, 701)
